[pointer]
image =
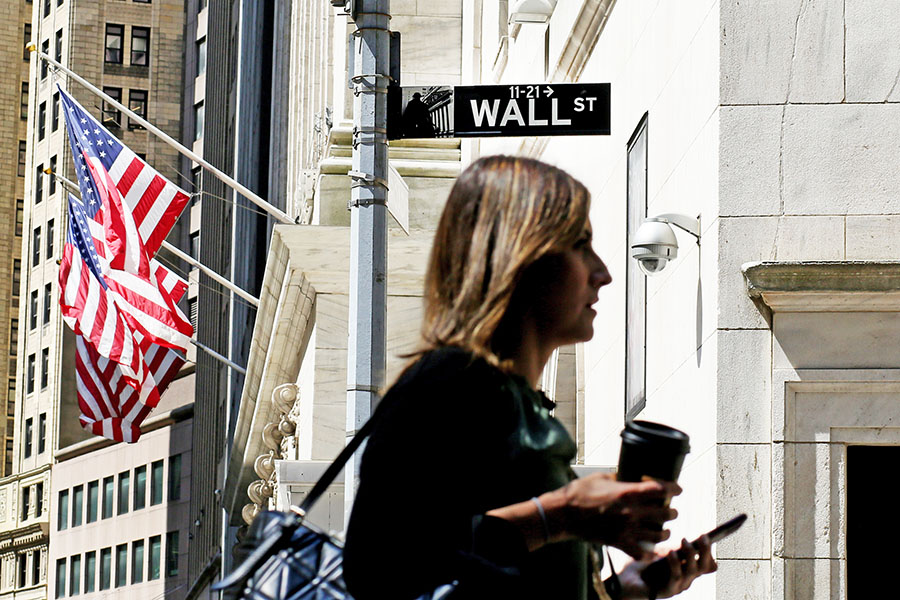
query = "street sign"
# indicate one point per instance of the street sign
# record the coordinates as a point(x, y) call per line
point(398, 198)
point(503, 110)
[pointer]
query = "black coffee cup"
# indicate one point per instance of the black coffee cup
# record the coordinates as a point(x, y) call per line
point(651, 450)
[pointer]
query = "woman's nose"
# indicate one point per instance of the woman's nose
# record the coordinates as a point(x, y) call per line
point(600, 275)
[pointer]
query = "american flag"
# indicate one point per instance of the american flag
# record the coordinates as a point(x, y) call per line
point(120, 301)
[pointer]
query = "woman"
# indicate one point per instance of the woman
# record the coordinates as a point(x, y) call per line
point(466, 476)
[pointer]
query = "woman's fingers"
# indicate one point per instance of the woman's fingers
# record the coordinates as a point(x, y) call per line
point(706, 563)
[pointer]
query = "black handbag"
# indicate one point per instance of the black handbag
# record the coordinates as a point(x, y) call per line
point(288, 559)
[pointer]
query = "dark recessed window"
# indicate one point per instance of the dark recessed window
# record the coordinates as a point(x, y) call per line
point(35, 567)
point(111, 115)
point(124, 485)
point(105, 568)
point(33, 310)
point(23, 110)
point(23, 152)
point(140, 487)
point(26, 502)
point(36, 247)
point(51, 186)
point(20, 220)
point(199, 115)
point(140, 46)
point(121, 565)
point(45, 48)
point(156, 482)
point(39, 500)
point(93, 493)
point(155, 551)
point(62, 511)
point(48, 295)
point(77, 505)
point(58, 46)
point(61, 578)
point(26, 54)
point(45, 367)
point(172, 554)
point(39, 183)
point(29, 387)
point(42, 120)
point(50, 237)
point(75, 575)
point(29, 435)
point(90, 571)
point(108, 489)
point(137, 561)
point(175, 477)
point(114, 36)
point(47, 5)
point(42, 433)
point(137, 102)
point(55, 119)
point(13, 340)
point(21, 569)
point(201, 56)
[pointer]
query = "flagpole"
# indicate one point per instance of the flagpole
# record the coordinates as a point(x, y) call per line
point(219, 357)
point(177, 252)
point(230, 182)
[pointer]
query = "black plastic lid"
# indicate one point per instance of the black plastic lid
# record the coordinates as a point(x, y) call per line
point(656, 434)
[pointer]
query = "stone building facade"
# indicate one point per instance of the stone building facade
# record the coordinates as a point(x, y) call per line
point(771, 341)
point(133, 50)
point(14, 110)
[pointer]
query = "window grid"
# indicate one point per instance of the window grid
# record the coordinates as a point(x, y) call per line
point(114, 36)
point(140, 46)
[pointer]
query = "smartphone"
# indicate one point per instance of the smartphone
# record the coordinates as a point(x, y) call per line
point(657, 573)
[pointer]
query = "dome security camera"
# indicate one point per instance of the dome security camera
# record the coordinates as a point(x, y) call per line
point(654, 243)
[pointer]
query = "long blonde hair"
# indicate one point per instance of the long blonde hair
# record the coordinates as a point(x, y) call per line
point(503, 214)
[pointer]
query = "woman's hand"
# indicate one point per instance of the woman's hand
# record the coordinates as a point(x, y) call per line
point(600, 509)
point(698, 561)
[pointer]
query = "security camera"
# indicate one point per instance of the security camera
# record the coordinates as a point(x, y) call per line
point(654, 243)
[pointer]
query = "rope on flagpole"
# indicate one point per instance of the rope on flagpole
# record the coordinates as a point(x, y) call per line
point(230, 182)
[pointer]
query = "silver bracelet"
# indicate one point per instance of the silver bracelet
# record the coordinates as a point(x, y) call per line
point(541, 512)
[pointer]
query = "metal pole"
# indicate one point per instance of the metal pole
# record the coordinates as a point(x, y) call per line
point(219, 357)
point(244, 191)
point(368, 224)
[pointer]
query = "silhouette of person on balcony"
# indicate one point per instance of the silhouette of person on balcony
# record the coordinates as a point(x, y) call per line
point(416, 119)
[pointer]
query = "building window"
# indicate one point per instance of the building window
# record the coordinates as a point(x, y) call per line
point(62, 511)
point(36, 248)
point(77, 504)
point(42, 433)
point(93, 488)
point(39, 184)
point(35, 567)
point(61, 578)
point(155, 543)
point(23, 152)
point(137, 102)
point(90, 571)
point(193, 312)
point(20, 559)
point(635, 280)
point(75, 575)
point(55, 120)
point(140, 46)
point(23, 109)
point(47, 5)
point(107, 497)
point(17, 276)
point(20, 219)
point(114, 36)
point(26, 54)
point(58, 46)
point(33, 310)
point(201, 57)
point(137, 561)
point(26, 502)
point(175, 477)
point(121, 565)
point(198, 121)
point(29, 431)
point(29, 388)
point(13, 339)
point(156, 482)
point(140, 487)
point(42, 120)
point(39, 499)
point(45, 367)
point(172, 554)
point(45, 48)
point(111, 115)
point(48, 294)
point(105, 568)
point(124, 483)
point(51, 189)
point(50, 232)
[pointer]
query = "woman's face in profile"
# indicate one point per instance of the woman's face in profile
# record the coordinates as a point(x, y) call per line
point(563, 287)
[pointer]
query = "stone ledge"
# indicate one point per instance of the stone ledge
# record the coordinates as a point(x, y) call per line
point(832, 286)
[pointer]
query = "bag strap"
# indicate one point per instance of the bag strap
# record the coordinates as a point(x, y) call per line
point(335, 467)
point(294, 518)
